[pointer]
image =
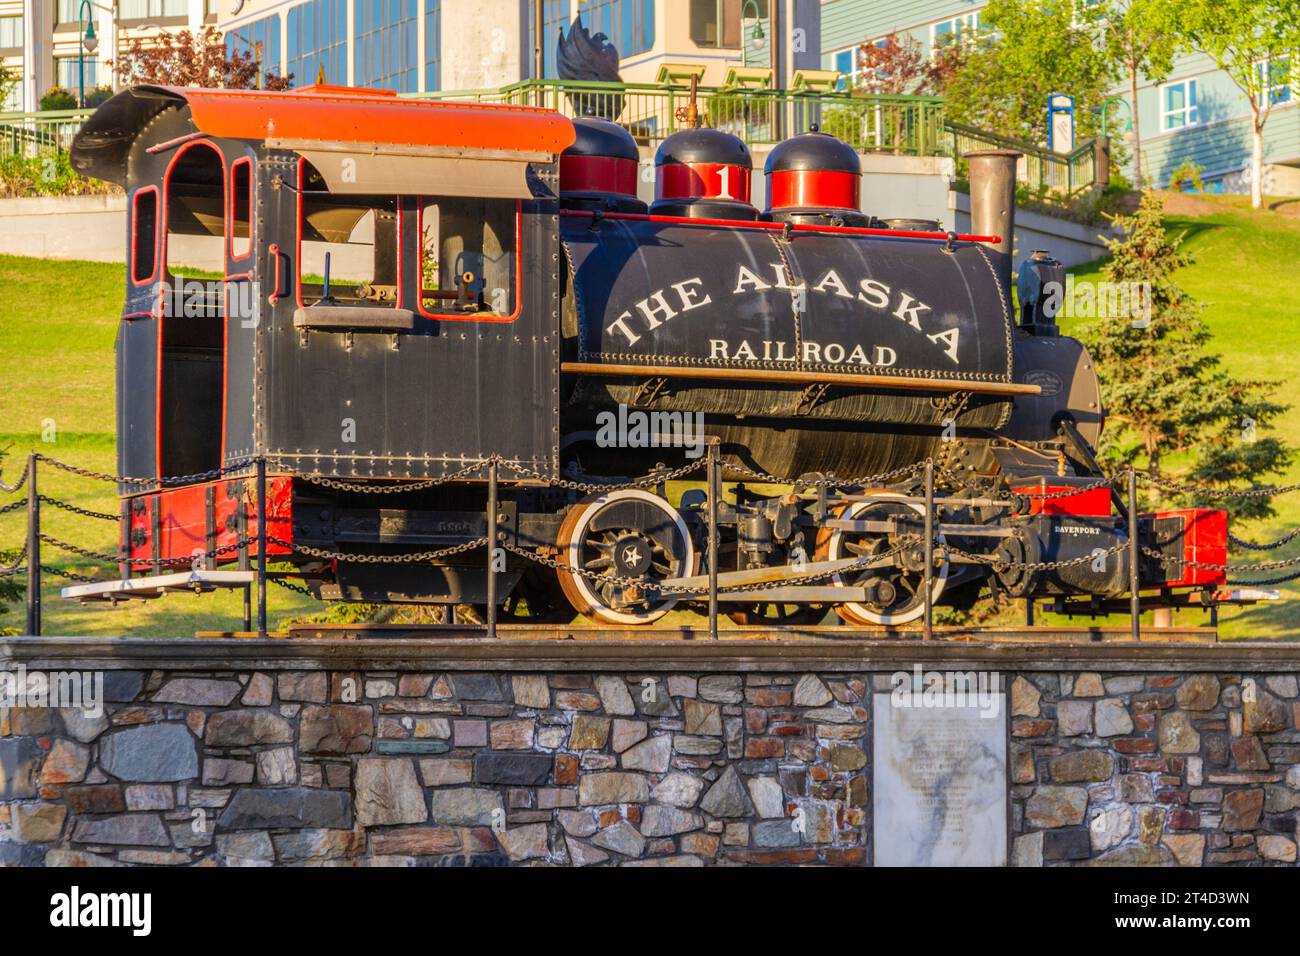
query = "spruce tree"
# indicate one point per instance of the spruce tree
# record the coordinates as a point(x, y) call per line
point(1172, 408)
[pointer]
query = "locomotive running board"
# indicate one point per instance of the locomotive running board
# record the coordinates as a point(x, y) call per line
point(155, 586)
point(794, 377)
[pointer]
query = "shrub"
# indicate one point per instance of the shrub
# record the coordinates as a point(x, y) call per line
point(57, 98)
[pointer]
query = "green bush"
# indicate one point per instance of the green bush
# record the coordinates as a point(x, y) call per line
point(48, 174)
point(99, 95)
point(57, 98)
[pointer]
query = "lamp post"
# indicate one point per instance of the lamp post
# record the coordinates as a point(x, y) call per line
point(1128, 128)
point(758, 37)
point(85, 27)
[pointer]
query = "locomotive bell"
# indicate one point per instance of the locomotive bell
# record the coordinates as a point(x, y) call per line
point(814, 178)
point(598, 172)
point(704, 174)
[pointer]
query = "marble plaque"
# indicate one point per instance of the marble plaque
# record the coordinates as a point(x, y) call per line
point(940, 782)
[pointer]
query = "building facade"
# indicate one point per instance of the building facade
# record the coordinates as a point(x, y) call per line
point(1195, 115)
point(40, 40)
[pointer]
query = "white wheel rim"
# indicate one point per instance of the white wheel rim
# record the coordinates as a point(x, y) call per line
point(834, 552)
point(583, 583)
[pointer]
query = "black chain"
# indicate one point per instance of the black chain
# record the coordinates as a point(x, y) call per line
point(1000, 564)
point(85, 579)
point(17, 485)
point(66, 506)
point(1263, 546)
point(8, 570)
point(1176, 488)
point(297, 588)
point(418, 557)
point(1165, 560)
point(830, 481)
point(168, 480)
point(12, 506)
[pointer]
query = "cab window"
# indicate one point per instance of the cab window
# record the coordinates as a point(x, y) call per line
point(468, 257)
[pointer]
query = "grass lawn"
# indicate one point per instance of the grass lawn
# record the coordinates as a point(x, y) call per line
point(58, 321)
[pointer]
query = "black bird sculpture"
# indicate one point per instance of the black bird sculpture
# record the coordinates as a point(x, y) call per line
point(581, 56)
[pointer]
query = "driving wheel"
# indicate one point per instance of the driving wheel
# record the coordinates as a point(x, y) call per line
point(896, 593)
point(613, 543)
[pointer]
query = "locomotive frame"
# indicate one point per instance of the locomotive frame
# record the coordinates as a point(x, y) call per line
point(453, 462)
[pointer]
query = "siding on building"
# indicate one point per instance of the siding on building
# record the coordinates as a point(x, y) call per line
point(1219, 141)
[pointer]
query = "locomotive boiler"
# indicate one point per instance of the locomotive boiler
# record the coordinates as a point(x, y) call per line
point(444, 327)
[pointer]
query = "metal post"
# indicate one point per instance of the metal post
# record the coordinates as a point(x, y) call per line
point(715, 491)
point(928, 583)
point(492, 550)
point(33, 549)
point(261, 546)
point(1134, 601)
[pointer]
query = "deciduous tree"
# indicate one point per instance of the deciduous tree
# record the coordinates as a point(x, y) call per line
point(195, 59)
point(1256, 42)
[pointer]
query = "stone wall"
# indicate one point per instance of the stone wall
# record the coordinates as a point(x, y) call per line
point(442, 769)
point(624, 767)
point(1163, 769)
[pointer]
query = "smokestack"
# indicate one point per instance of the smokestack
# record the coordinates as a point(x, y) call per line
point(993, 204)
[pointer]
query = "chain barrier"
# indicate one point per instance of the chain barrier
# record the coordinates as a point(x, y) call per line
point(297, 588)
point(830, 481)
point(12, 506)
point(74, 509)
point(71, 576)
point(1169, 485)
point(1000, 565)
point(195, 478)
point(1263, 546)
point(8, 570)
point(1166, 560)
point(17, 485)
point(417, 557)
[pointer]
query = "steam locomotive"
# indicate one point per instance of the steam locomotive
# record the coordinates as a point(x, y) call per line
point(413, 292)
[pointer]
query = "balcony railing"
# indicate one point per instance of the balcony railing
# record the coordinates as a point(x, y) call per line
point(35, 134)
point(900, 125)
point(909, 125)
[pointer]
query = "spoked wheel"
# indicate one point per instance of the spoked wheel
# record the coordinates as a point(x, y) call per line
point(778, 614)
point(897, 593)
point(627, 534)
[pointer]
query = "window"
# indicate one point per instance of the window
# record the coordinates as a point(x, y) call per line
point(67, 72)
point(144, 235)
point(1274, 79)
point(555, 20)
point(317, 38)
point(433, 45)
point(629, 24)
point(11, 33)
point(468, 257)
point(145, 9)
point(1178, 105)
point(241, 208)
point(259, 40)
point(384, 49)
point(716, 23)
point(962, 28)
point(351, 240)
point(846, 63)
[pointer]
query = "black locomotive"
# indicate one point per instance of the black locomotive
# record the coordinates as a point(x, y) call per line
point(415, 291)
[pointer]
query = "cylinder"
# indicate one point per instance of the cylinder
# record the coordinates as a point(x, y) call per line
point(703, 173)
point(814, 179)
point(599, 171)
point(993, 205)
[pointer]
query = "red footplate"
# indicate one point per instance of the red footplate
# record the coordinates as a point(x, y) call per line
point(1087, 501)
point(173, 524)
point(1193, 534)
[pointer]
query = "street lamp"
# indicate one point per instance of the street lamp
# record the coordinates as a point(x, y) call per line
point(758, 37)
point(1128, 126)
point(86, 27)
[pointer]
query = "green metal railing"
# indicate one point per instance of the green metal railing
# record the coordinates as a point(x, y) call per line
point(901, 125)
point(911, 125)
point(1040, 169)
point(34, 134)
